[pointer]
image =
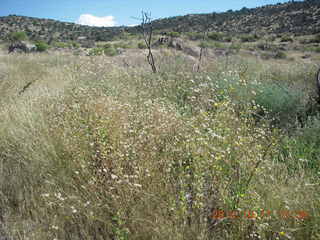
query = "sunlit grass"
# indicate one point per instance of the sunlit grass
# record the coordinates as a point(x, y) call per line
point(98, 149)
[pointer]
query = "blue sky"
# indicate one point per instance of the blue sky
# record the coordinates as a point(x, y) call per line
point(121, 12)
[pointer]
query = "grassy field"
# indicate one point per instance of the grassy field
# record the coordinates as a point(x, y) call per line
point(101, 148)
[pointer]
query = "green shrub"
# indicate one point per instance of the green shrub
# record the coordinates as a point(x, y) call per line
point(174, 34)
point(121, 45)
point(248, 38)
point(280, 102)
point(271, 38)
point(17, 36)
point(216, 36)
point(303, 148)
point(41, 46)
point(312, 49)
point(107, 45)
point(286, 38)
point(194, 35)
point(60, 44)
point(228, 38)
point(111, 52)
point(142, 45)
point(235, 46)
point(205, 44)
point(74, 44)
point(96, 52)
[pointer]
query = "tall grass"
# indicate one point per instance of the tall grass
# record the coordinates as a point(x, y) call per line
point(94, 150)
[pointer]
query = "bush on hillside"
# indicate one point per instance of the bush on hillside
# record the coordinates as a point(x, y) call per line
point(286, 38)
point(111, 52)
point(248, 38)
point(174, 34)
point(216, 36)
point(41, 46)
point(194, 35)
point(142, 45)
point(17, 36)
point(280, 102)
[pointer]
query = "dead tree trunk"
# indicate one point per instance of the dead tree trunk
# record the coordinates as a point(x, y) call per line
point(147, 31)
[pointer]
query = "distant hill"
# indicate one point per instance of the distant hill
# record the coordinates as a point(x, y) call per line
point(299, 18)
point(46, 29)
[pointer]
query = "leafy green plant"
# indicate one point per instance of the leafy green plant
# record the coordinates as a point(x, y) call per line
point(41, 46)
point(60, 44)
point(194, 35)
point(248, 38)
point(174, 34)
point(142, 45)
point(216, 36)
point(107, 45)
point(280, 102)
point(17, 36)
point(111, 52)
point(286, 38)
point(96, 51)
point(235, 46)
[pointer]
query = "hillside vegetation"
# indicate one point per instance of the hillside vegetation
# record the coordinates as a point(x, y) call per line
point(97, 149)
point(296, 17)
point(94, 144)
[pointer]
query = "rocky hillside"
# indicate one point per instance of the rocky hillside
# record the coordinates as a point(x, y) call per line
point(47, 29)
point(299, 18)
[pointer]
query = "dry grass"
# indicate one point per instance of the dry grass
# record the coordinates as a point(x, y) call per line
point(97, 148)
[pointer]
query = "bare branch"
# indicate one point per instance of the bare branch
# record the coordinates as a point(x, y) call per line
point(147, 31)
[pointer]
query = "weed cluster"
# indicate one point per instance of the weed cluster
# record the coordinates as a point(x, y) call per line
point(94, 150)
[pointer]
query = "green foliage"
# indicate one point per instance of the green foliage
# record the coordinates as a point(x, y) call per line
point(267, 46)
point(121, 45)
point(110, 52)
point(248, 38)
point(174, 34)
point(312, 49)
point(194, 35)
point(235, 46)
point(271, 38)
point(301, 152)
point(212, 44)
point(280, 102)
point(41, 46)
point(74, 44)
point(101, 151)
point(17, 36)
point(286, 38)
point(228, 38)
point(60, 44)
point(96, 51)
point(142, 45)
point(107, 45)
point(216, 36)
point(70, 44)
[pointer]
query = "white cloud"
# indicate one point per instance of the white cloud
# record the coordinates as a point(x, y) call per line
point(90, 20)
